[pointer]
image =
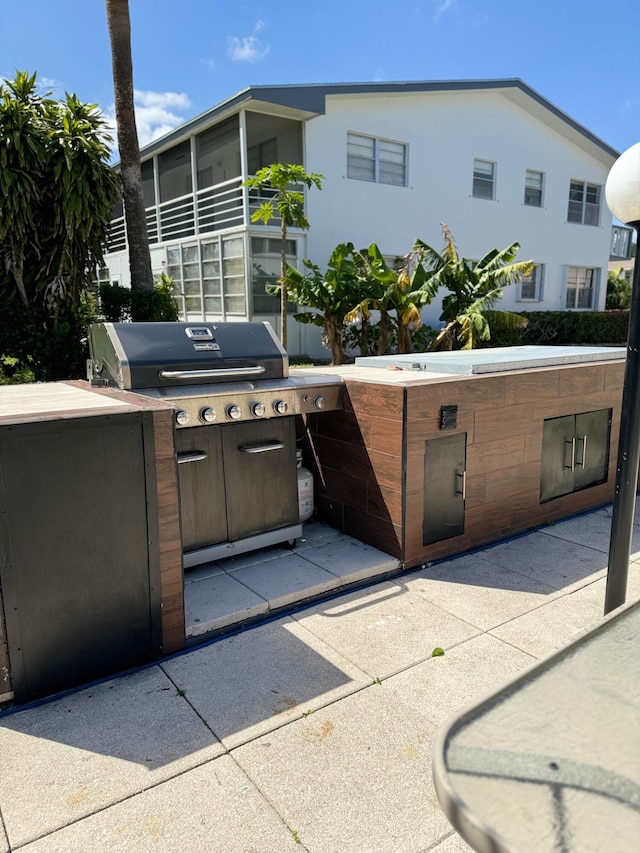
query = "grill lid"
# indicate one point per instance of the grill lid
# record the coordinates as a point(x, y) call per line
point(155, 355)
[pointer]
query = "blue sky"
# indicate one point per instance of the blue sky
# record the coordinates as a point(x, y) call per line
point(582, 55)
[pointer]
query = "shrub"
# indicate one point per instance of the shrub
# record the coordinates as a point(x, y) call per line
point(35, 346)
point(420, 338)
point(576, 327)
point(118, 304)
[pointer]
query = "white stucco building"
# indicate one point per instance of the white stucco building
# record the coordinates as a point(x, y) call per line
point(492, 159)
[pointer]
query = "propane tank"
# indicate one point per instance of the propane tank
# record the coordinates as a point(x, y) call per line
point(305, 489)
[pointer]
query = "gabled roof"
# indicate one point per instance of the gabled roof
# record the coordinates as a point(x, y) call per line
point(308, 100)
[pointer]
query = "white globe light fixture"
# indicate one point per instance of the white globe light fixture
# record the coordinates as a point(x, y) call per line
point(622, 192)
point(622, 189)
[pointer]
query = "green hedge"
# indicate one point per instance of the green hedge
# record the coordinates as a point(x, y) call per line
point(567, 327)
point(34, 346)
point(121, 305)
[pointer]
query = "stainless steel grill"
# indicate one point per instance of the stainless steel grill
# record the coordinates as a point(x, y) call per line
point(234, 403)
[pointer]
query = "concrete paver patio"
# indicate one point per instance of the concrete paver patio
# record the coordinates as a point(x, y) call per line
point(311, 731)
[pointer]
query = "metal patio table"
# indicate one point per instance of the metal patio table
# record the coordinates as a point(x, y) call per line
point(551, 761)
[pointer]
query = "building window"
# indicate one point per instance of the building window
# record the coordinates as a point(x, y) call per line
point(581, 287)
point(209, 278)
point(379, 160)
point(265, 270)
point(621, 242)
point(531, 285)
point(584, 203)
point(174, 171)
point(484, 179)
point(218, 154)
point(533, 186)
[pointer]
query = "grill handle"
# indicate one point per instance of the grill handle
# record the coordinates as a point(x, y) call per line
point(210, 374)
point(261, 448)
point(191, 456)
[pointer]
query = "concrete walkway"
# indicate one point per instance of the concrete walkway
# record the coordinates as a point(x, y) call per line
point(310, 732)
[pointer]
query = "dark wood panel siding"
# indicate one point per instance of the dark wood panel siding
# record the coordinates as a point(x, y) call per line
point(503, 417)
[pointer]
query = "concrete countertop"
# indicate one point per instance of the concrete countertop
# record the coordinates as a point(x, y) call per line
point(456, 366)
point(56, 400)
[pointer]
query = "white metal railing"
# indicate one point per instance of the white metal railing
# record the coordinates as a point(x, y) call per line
point(226, 205)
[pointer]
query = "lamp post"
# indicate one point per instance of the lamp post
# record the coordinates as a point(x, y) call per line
point(622, 192)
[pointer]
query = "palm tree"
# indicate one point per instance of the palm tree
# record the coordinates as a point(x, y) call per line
point(467, 310)
point(289, 204)
point(135, 216)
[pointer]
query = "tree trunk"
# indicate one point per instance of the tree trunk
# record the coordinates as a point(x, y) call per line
point(364, 336)
point(283, 285)
point(333, 337)
point(383, 333)
point(404, 338)
point(135, 216)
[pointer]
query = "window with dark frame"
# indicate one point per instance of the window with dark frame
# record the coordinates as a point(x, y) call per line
point(531, 285)
point(581, 285)
point(584, 203)
point(484, 179)
point(533, 186)
point(381, 161)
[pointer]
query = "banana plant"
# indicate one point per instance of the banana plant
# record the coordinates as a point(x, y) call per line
point(468, 309)
point(331, 294)
point(404, 289)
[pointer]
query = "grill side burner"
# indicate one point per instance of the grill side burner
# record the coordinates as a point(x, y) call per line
point(234, 406)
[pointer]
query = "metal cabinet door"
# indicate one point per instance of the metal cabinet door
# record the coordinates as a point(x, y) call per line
point(260, 476)
point(444, 479)
point(74, 561)
point(203, 509)
point(557, 463)
point(592, 434)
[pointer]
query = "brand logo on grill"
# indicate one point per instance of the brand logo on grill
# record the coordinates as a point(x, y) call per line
point(200, 347)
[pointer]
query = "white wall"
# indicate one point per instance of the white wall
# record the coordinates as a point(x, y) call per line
point(445, 132)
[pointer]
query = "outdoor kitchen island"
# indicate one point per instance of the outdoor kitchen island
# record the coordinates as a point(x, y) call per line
point(438, 453)
point(90, 551)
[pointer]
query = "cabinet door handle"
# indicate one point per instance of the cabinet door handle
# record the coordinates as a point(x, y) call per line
point(463, 491)
point(191, 456)
point(572, 442)
point(582, 462)
point(261, 448)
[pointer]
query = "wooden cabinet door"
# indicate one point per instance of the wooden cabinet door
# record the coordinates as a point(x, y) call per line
point(260, 476)
point(444, 493)
point(203, 509)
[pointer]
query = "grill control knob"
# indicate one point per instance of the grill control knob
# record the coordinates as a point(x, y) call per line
point(182, 417)
point(208, 415)
point(280, 407)
point(257, 409)
point(319, 403)
point(234, 412)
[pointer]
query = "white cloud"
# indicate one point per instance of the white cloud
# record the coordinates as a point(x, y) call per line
point(443, 6)
point(248, 49)
point(157, 113)
point(47, 84)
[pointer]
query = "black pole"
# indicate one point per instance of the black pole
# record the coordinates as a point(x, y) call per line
point(624, 500)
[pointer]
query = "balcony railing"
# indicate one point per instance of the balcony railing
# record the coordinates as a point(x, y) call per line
point(224, 206)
